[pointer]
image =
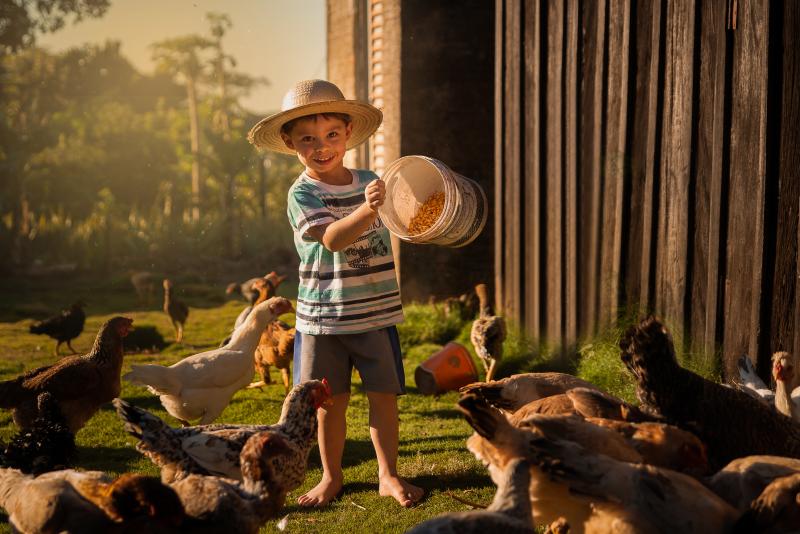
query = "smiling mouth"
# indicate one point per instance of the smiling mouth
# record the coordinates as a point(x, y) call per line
point(323, 160)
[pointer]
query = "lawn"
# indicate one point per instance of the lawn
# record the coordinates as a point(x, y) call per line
point(432, 450)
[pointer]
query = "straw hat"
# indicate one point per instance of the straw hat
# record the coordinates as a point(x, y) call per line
point(310, 97)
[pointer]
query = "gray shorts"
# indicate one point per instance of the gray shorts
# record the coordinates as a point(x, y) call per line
point(376, 355)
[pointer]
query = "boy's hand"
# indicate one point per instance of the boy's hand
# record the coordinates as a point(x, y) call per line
point(375, 194)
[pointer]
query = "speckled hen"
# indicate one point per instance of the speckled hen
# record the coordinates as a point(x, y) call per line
point(215, 449)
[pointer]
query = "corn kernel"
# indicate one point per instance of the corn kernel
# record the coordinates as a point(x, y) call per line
point(427, 214)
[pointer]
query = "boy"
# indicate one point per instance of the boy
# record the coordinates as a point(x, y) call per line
point(348, 301)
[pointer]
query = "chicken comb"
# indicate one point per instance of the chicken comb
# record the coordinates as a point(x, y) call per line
point(327, 386)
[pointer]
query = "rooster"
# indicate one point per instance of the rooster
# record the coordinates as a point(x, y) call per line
point(221, 504)
point(90, 501)
point(593, 492)
point(215, 449)
point(63, 327)
point(201, 386)
point(488, 333)
point(731, 423)
point(79, 384)
point(275, 348)
point(178, 311)
point(46, 446)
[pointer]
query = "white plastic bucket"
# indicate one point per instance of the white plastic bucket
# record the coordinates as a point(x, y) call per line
point(411, 180)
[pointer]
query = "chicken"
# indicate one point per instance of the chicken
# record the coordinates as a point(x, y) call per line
point(75, 501)
point(48, 444)
point(144, 282)
point(215, 449)
point(743, 480)
point(777, 509)
point(79, 384)
point(265, 291)
point(201, 386)
point(510, 511)
point(658, 444)
point(247, 290)
point(178, 311)
point(593, 492)
point(63, 327)
point(276, 348)
point(515, 391)
point(731, 423)
point(488, 333)
point(786, 402)
point(221, 504)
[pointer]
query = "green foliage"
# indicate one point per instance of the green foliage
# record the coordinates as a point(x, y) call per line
point(427, 324)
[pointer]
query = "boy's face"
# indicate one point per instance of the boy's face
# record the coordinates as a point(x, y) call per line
point(320, 144)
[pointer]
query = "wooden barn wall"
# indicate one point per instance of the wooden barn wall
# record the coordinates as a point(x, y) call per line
point(648, 160)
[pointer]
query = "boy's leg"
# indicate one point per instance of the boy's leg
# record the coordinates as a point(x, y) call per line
point(332, 433)
point(384, 430)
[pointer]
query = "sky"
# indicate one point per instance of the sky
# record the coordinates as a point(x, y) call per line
point(282, 40)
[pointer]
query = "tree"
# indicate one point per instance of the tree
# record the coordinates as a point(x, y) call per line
point(181, 57)
point(21, 20)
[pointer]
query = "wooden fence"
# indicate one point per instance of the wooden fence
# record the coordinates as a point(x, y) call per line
point(648, 155)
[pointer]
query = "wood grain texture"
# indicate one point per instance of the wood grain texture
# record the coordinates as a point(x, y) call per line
point(616, 158)
point(533, 176)
point(705, 270)
point(592, 43)
point(743, 279)
point(554, 175)
point(641, 248)
point(571, 261)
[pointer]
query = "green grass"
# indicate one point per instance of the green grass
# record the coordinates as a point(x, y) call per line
point(432, 449)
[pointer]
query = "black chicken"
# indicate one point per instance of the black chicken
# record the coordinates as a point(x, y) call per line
point(731, 423)
point(46, 445)
point(63, 327)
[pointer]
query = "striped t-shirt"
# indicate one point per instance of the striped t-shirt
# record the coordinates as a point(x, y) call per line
point(347, 292)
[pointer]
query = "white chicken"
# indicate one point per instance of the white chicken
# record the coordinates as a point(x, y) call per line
point(201, 386)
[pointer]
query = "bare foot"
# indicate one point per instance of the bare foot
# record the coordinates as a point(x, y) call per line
point(404, 492)
point(321, 494)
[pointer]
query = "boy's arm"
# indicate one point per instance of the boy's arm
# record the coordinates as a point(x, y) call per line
point(338, 235)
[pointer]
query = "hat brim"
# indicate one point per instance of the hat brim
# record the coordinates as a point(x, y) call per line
point(365, 120)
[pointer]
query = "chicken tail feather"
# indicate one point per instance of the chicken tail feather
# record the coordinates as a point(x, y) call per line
point(138, 423)
point(491, 392)
point(158, 377)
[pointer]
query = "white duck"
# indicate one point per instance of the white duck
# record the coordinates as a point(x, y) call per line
point(201, 386)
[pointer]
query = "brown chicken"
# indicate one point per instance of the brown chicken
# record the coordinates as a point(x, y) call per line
point(276, 348)
point(79, 384)
point(742, 481)
point(488, 333)
point(224, 505)
point(178, 311)
point(777, 509)
point(731, 423)
point(513, 392)
point(593, 492)
point(88, 501)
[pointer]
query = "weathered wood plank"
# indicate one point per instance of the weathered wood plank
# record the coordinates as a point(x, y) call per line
point(499, 144)
point(571, 175)
point(743, 281)
point(708, 177)
point(512, 217)
point(614, 168)
point(671, 267)
point(785, 308)
point(554, 173)
point(593, 15)
point(533, 175)
point(641, 247)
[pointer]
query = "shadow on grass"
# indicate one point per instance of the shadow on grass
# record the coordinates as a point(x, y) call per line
point(99, 458)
